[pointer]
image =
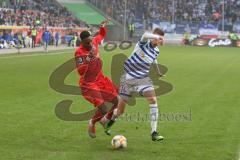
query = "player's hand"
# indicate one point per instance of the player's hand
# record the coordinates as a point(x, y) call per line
point(105, 22)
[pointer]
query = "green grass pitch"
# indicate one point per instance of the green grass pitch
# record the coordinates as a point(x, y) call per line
point(206, 81)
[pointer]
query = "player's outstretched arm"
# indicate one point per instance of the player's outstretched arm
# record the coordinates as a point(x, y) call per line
point(102, 31)
point(148, 35)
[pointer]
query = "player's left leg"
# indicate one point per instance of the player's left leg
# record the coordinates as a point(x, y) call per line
point(104, 121)
point(117, 111)
point(109, 114)
point(99, 113)
point(124, 96)
point(150, 96)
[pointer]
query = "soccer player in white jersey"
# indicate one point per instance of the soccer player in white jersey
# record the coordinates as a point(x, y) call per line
point(136, 79)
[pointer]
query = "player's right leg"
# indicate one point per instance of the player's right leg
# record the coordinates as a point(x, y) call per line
point(124, 96)
point(109, 94)
point(100, 112)
point(107, 117)
point(93, 95)
point(150, 96)
point(116, 113)
point(146, 89)
point(120, 109)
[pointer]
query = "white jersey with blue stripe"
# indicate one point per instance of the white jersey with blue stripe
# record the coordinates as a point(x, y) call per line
point(139, 63)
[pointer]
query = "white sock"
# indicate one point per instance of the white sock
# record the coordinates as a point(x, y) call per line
point(154, 116)
point(114, 116)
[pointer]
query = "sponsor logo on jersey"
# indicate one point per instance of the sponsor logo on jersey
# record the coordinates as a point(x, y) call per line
point(80, 60)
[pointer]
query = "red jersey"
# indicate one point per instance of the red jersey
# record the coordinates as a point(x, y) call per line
point(90, 70)
point(95, 87)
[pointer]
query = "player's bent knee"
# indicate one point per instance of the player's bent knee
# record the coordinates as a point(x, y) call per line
point(103, 109)
point(120, 112)
point(121, 107)
point(115, 101)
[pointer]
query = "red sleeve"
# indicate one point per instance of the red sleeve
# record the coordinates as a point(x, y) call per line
point(101, 35)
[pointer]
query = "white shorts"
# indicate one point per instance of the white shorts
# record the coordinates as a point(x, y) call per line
point(130, 85)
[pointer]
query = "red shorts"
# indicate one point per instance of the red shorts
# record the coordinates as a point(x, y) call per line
point(99, 92)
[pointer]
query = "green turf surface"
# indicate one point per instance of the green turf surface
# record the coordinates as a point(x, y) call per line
point(205, 80)
point(85, 13)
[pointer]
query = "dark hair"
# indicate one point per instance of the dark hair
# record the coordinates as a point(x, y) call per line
point(158, 31)
point(84, 35)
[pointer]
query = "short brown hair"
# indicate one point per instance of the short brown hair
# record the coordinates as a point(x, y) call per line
point(158, 31)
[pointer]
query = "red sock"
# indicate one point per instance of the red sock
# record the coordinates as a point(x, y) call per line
point(110, 112)
point(97, 116)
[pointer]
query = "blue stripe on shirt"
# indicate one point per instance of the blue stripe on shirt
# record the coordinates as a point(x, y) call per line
point(146, 52)
point(138, 73)
point(140, 59)
point(135, 66)
point(137, 61)
point(152, 50)
point(131, 74)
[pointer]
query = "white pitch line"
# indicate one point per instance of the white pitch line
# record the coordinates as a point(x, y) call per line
point(238, 154)
point(31, 55)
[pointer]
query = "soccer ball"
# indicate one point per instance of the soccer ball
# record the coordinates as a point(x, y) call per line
point(119, 141)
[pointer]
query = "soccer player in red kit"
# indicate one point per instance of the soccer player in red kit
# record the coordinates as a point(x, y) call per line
point(95, 87)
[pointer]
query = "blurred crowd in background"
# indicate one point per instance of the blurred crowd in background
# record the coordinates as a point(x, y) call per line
point(173, 16)
point(36, 13)
point(162, 10)
point(36, 37)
